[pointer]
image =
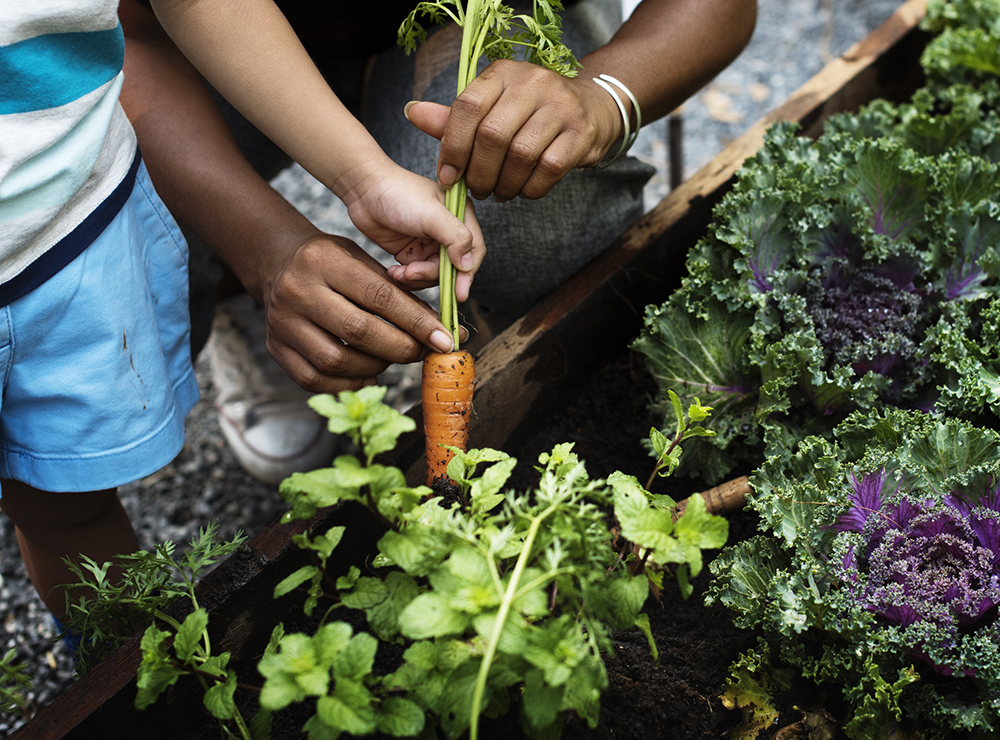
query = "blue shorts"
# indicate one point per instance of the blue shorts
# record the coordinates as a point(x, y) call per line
point(96, 362)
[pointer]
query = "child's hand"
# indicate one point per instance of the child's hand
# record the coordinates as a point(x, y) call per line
point(405, 214)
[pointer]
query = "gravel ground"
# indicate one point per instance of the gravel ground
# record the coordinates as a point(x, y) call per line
point(793, 40)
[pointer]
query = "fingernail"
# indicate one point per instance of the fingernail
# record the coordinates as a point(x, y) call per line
point(406, 108)
point(369, 381)
point(448, 175)
point(442, 341)
point(467, 261)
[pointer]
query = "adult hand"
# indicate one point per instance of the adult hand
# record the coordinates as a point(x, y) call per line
point(518, 128)
point(335, 320)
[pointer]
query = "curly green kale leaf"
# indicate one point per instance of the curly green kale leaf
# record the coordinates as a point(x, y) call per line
point(879, 569)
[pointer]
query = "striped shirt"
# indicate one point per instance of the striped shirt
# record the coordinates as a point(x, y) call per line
point(68, 155)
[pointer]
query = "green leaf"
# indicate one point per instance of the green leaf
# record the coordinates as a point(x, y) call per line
point(190, 633)
point(703, 357)
point(583, 690)
point(354, 662)
point(155, 673)
point(367, 592)
point(276, 634)
point(542, 703)
point(557, 648)
point(642, 622)
point(300, 668)
point(430, 615)
point(296, 579)
point(658, 441)
point(383, 618)
point(487, 487)
point(345, 583)
point(329, 640)
point(630, 499)
point(261, 724)
point(513, 635)
point(466, 581)
point(759, 713)
point(400, 717)
point(219, 698)
point(349, 708)
point(694, 531)
point(618, 599)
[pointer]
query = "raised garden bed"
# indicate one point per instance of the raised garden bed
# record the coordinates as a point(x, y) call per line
point(541, 382)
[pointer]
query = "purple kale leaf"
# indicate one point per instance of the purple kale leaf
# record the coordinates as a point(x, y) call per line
point(865, 320)
point(893, 195)
point(921, 562)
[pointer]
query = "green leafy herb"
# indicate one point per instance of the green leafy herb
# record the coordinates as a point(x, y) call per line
point(498, 596)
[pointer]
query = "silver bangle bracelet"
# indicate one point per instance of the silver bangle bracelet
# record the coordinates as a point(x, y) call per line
point(630, 134)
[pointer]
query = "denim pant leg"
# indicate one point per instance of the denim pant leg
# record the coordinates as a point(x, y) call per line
point(533, 245)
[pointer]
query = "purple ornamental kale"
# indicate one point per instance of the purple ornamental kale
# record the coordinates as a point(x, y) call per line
point(921, 561)
point(865, 320)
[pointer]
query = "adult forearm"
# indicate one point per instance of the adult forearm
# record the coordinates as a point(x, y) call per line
point(668, 49)
point(194, 161)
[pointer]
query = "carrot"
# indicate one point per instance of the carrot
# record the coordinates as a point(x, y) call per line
point(446, 396)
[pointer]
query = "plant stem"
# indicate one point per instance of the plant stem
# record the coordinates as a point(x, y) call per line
point(455, 198)
point(505, 605)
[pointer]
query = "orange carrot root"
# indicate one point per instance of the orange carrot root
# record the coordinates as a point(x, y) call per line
point(446, 396)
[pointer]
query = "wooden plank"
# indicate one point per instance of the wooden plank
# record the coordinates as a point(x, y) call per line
point(523, 373)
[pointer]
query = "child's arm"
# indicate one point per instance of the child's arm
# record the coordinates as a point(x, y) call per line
point(252, 56)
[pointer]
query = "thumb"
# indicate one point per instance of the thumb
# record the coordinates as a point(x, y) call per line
point(430, 118)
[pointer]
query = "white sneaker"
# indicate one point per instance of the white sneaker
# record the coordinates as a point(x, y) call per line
point(263, 413)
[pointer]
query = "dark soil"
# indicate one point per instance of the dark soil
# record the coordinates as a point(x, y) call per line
point(607, 420)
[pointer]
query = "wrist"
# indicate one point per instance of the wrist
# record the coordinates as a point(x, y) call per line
point(350, 183)
point(630, 115)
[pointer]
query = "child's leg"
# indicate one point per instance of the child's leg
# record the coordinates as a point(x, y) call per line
point(51, 526)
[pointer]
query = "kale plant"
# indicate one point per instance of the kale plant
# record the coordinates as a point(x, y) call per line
point(852, 272)
point(877, 577)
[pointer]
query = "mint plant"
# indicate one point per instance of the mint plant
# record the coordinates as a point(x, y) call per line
point(500, 598)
